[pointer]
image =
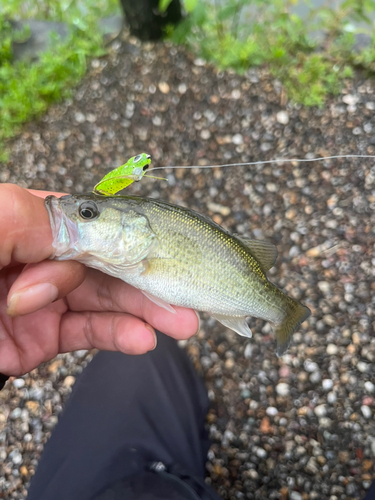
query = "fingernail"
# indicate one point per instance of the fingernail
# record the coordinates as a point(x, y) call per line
point(199, 322)
point(154, 335)
point(31, 299)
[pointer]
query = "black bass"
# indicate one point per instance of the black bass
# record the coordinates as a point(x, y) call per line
point(175, 256)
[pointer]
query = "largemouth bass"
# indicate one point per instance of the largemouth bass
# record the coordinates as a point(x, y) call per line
point(176, 257)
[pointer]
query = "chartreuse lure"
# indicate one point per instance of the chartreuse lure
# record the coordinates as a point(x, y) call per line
point(121, 177)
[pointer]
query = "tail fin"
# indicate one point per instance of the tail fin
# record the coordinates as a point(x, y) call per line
point(296, 314)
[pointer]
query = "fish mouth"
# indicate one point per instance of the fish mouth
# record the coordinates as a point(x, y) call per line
point(64, 231)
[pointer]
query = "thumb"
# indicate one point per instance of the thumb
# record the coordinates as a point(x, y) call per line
point(24, 227)
point(26, 238)
point(40, 284)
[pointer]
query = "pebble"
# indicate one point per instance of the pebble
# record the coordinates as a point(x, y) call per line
point(294, 495)
point(261, 453)
point(320, 411)
point(36, 393)
point(368, 400)
point(16, 457)
point(237, 139)
point(312, 466)
point(236, 94)
point(282, 389)
point(294, 251)
point(366, 411)
point(221, 209)
point(310, 366)
point(324, 287)
point(351, 490)
point(315, 377)
point(272, 411)
point(367, 128)
point(369, 386)
point(248, 352)
point(28, 437)
point(332, 349)
point(199, 61)
point(229, 363)
point(284, 371)
point(164, 87)
point(79, 117)
point(16, 413)
point(282, 117)
point(331, 398)
point(325, 422)
point(69, 381)
point(245, 393)
point(271, 187)
point(327, 384)
point(24, 471)
point(363, 367)
point(350, 99)
point(182, 88)
point(227, 437)
point(253, 474)
point(81, 353)
point(19, 383)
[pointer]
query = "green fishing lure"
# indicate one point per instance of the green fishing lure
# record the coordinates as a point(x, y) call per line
point(120, 178)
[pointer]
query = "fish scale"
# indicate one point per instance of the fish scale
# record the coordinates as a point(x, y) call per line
point(176, 257)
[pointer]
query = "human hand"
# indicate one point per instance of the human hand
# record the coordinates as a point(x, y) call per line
point(48, 307)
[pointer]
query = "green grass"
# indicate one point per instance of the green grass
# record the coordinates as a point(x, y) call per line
point(240, 34)
point(26, 90)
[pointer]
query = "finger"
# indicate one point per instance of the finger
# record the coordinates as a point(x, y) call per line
point(24, 227)
point(105, 331)
point(100, 292)
point(40, 284)
point(43, 194)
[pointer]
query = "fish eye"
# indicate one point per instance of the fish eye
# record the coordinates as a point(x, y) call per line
point(137, 158)
point(88, 210)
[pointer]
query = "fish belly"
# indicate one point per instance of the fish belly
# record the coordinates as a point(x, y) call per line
point(217, 294)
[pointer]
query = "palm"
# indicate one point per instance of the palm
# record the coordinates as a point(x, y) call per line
point(103, 312)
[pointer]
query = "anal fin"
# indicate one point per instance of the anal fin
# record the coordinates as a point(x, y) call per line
point(235, 323)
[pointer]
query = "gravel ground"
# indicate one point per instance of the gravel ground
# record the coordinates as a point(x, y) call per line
point(299, 427)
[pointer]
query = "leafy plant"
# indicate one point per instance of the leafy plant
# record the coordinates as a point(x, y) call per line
point(26, 90)
point(239, 34)
point(62, 10)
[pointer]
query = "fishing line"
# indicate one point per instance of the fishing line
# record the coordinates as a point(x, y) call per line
point(264, 162)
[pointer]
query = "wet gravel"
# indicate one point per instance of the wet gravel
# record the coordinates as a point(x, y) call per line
point(300, 427)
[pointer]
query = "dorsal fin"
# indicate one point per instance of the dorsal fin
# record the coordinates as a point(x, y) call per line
point(264, 252)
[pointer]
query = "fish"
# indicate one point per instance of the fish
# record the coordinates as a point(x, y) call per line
point(176, 257)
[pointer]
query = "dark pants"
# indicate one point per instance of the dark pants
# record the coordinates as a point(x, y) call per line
point(371, 493)
point(132, 428)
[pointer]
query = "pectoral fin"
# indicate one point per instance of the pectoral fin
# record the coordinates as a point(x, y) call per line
point(236, 323)
point(264, 252)
point(159, 302)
